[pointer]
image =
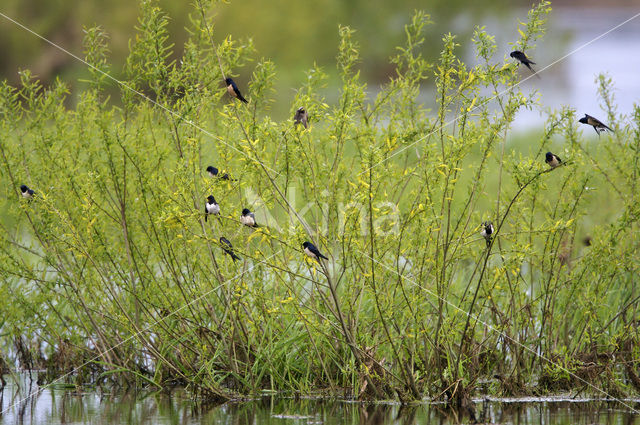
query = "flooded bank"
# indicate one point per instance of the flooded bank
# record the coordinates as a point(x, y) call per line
point(28, 404)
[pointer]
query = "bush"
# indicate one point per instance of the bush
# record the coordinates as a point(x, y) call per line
point(113, 264)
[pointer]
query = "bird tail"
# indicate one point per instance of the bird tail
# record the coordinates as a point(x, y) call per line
point(206, 216)
point(488, 241)
point(531, 69)
point(234, 257)
point(322, 256)
point(242, 98)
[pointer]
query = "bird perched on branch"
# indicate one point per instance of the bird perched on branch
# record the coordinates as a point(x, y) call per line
point(248, 218)
point(487, 232)
point(214, 172)
point(552, 159)
point(523, 59)
point(301, 117)
point(312, 251)
point(211, 207)
point(233, 90)
point(598, 125)
point(26, 192)
point(228, 248)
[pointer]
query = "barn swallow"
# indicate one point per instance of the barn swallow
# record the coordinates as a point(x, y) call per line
point(211, 207)
point(598, 126)
point(487, 231)
point(301, 117)
point(312, 251)
point(228, 248)
point(552, 160)
point(248, 218)
point(213, 172)
point(233, 91)
point(523, 59)
point(26, 192)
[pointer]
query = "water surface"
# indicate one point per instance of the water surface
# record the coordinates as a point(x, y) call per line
point(29, 404)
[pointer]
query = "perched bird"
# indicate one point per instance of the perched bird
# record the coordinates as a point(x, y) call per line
point(312, 251)
point(26, 192)
point(552, 160)
point(301, 117)
point(248, 218)
point(211, 207)
point(523, 59)
point(487, 231)
point(228, 248)
point(232, 88)
point(598, 126)
point(213, 172)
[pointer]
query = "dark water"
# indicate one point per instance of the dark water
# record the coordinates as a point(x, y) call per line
point(64, 405)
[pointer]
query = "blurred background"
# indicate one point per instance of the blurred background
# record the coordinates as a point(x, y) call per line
point(295, 35)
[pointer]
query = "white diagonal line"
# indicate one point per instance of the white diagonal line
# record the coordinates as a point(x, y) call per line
point(507, 90)
point(375, 165)
point(40, 389)
point(128, 87)
point(504, 335)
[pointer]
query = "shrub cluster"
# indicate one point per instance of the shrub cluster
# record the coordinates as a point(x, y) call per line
point(111, 273)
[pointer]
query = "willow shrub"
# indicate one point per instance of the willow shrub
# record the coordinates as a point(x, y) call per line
point(112, 273)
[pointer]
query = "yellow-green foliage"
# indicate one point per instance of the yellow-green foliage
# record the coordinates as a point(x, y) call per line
point(112, 259)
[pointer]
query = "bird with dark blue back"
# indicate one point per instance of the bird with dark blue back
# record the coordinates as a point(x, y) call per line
point(313, 252)
point(233, 90)
point(214, 172)
point(228, 248)
point(26, 191)
point(523, 59)
point(598, 125)
point(248, 218)
point(552, 159)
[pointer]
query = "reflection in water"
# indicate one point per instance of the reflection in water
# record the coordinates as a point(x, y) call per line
point(27, 404)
